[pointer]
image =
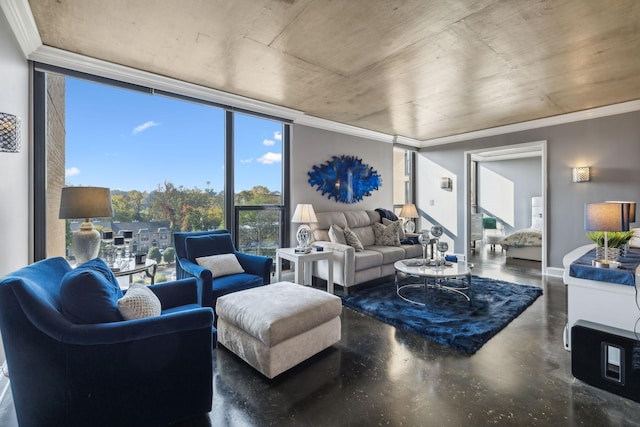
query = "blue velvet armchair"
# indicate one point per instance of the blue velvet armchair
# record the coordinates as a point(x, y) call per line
point(151, 371)
point(191, 245)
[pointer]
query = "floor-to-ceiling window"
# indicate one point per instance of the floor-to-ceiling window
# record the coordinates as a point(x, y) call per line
point(258, 182)
point(164, 157)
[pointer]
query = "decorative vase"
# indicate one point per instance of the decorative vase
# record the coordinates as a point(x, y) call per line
point(613, 254)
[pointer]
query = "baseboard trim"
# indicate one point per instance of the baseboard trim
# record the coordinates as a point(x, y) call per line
point(555, 271)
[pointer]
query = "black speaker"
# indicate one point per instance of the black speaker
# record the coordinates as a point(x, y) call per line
point(607, 358)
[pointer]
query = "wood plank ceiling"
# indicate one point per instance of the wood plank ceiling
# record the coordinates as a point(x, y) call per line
point(415, 68)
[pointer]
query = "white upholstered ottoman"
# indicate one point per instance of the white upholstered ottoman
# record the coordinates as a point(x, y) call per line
point(277, 326)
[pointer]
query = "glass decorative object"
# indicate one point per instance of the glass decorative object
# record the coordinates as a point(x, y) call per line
point(423, 239)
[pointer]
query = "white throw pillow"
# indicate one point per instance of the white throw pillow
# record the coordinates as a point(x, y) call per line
point(221, 265)
point(336, 235)
point(139, 302)
point(401, 234)
point(353, 240)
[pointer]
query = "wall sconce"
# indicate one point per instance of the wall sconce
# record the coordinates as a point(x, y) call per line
point(9, 133)
point(581, 174)
point(446, 183)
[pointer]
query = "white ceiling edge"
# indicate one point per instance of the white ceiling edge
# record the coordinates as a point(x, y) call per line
point(22, 23)
point(608, 110)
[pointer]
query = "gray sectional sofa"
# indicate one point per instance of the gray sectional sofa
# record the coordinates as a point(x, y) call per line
point(351, 267)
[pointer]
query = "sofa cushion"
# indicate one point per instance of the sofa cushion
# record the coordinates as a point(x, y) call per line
point(353, 240)
point(367, 259)
point(221, 265)
point(401, 234)
point(326, 220)
point(88, 296)
point(386, 235)
point(390, 254)
point(213, 244)
point(139, 302)
point(357, 219)
point(336, 234)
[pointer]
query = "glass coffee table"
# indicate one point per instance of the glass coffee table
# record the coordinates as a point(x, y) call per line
point(456, 275)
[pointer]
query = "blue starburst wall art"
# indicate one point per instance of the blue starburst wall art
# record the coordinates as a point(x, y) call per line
point(345, 178)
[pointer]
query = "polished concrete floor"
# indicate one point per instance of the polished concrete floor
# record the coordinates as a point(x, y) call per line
point(378, 375)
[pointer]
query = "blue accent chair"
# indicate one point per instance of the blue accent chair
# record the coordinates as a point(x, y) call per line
point(192, 245)
point(153, 371)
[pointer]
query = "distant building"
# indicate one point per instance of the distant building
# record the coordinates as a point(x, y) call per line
point(145, 233)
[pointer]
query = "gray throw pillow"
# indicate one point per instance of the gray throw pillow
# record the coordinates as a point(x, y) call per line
point(353, 240)
point(401, 234)
point(386, 235)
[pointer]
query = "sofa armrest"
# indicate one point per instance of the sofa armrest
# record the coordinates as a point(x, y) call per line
point(204, 280)
point(256, 264)
point(176, 293)
point(332, 246)
point(138, 329)
point(344, 262)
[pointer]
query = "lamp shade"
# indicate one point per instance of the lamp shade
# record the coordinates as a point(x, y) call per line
point(408, 211)
point(304, 213)
point(85, 202)
point(606, 216)
point(632, 208)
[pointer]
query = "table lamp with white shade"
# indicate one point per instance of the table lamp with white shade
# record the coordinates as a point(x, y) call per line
point(85, 202)
point(304, 214)
point(409, 212)
point(606, 217)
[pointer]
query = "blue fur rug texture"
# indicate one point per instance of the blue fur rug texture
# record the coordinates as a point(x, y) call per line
point(448, 318)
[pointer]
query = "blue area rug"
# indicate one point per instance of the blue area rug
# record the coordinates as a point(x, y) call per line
point(447, 318)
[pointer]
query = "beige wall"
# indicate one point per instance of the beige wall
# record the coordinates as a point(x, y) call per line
point(15, 235)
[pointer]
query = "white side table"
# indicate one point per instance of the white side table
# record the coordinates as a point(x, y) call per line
point(304, 265)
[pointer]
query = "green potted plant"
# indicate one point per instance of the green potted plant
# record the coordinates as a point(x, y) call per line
point(617, 243)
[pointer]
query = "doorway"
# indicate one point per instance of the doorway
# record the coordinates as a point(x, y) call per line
point(499, 184)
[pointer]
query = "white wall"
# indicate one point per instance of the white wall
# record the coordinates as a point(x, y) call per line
point(312, 146)
point(14, 185)
point(610, 145)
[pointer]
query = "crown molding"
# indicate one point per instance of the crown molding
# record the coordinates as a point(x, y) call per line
point(18, 14)
point(65, 59)
point(319, 123)
point(608, 110)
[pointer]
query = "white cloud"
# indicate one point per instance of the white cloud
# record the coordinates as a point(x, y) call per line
point(143, 126)
point(277, 135)
point(72, 172)
point(268, 142)
point(245, 161)
point(270, 158)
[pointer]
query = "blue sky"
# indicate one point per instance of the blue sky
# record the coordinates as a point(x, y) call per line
point(128, 140)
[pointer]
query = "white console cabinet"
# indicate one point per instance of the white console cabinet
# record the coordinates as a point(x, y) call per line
point(604, 303)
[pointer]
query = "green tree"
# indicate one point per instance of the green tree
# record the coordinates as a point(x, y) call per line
point(169, 255)
point(121, 209)
point(136, 199)
point(154, 254)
